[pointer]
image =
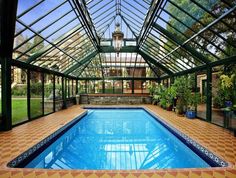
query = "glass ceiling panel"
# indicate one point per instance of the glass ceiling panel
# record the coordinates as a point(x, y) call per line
point(77, 72)
point(193, 22)
point(50, 34)
point(180, 38)
point(93, 69)
point(112, 65)
point(183, 34)
point(130, 13)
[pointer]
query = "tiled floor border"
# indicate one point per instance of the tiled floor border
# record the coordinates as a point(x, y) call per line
point(24, 158)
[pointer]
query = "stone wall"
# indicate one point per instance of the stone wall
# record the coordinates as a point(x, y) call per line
point(115, 99)
point(48, 104)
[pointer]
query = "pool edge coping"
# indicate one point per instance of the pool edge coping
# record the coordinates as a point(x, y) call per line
point(188, 141)
point(45, 142)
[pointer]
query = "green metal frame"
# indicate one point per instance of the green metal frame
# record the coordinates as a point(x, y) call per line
point(181, 44)
point(86, 20)
point(82, 61)
point(7, 25)
point(151, 60)
point(125, 49)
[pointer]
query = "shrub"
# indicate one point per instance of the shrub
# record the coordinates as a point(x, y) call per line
point(19, 90)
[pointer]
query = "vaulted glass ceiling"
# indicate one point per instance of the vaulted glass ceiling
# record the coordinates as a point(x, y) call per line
point(161, 37)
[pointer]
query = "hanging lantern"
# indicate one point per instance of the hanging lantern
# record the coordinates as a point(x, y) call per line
point(117, 37)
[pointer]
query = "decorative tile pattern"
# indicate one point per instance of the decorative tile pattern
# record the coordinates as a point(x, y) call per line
point(48, 140)
point(220, 141)
point(201, 150)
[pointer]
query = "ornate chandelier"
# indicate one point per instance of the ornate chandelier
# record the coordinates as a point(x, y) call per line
point(117, 37)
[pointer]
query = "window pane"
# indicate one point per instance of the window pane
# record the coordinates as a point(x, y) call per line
point(19, 95)
point(127, 86)
point(82, 86)
point(137, 86)
point(90, 85)
point(58, 93)
point(202, 88)
point(35, 94)
point(58, 86)
point(98, 86)
point(144, 85)
point(118, 86)
point(67, 87)
point(74, 88)
point(108, 86)
point(48, 93)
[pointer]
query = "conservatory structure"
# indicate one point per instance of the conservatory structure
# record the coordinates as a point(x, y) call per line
point(176, 59)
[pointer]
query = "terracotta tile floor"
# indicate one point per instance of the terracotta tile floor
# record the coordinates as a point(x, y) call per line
point(217, 139)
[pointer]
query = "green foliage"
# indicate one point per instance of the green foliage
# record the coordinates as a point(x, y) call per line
point(192, 9)
point(170, 94)
point(48, 90)
point(36, 90)
point(151, 88)
point(183, 93)
point(193, 101)
point(226, 89)
point(227, 81)
point(158, 92)
point(19, 90)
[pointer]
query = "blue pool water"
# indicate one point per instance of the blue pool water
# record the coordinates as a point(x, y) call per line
point(117, 139)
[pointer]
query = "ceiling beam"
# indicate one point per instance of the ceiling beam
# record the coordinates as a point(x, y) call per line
point(81, 62)
point(128, 26)
point(153, 9)
point(86, 19)
point(181, 43)
point(124, 49)
point(152, 68)
point(229, 60)
point(153, 61)
point(118, 78)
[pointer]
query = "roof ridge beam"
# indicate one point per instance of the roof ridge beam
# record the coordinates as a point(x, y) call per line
point(85, 17)
point(153, 9)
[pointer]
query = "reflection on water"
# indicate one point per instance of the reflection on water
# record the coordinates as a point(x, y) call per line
point(117, 139)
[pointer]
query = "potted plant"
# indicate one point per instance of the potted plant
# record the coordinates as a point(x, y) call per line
point(170, 95)
point(151, 88)
point(193, 101)
point(158, 93)
point(182, 94)
point(228, 88)
point(163, 102)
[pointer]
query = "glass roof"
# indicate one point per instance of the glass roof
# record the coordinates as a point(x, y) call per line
point(161, 37)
